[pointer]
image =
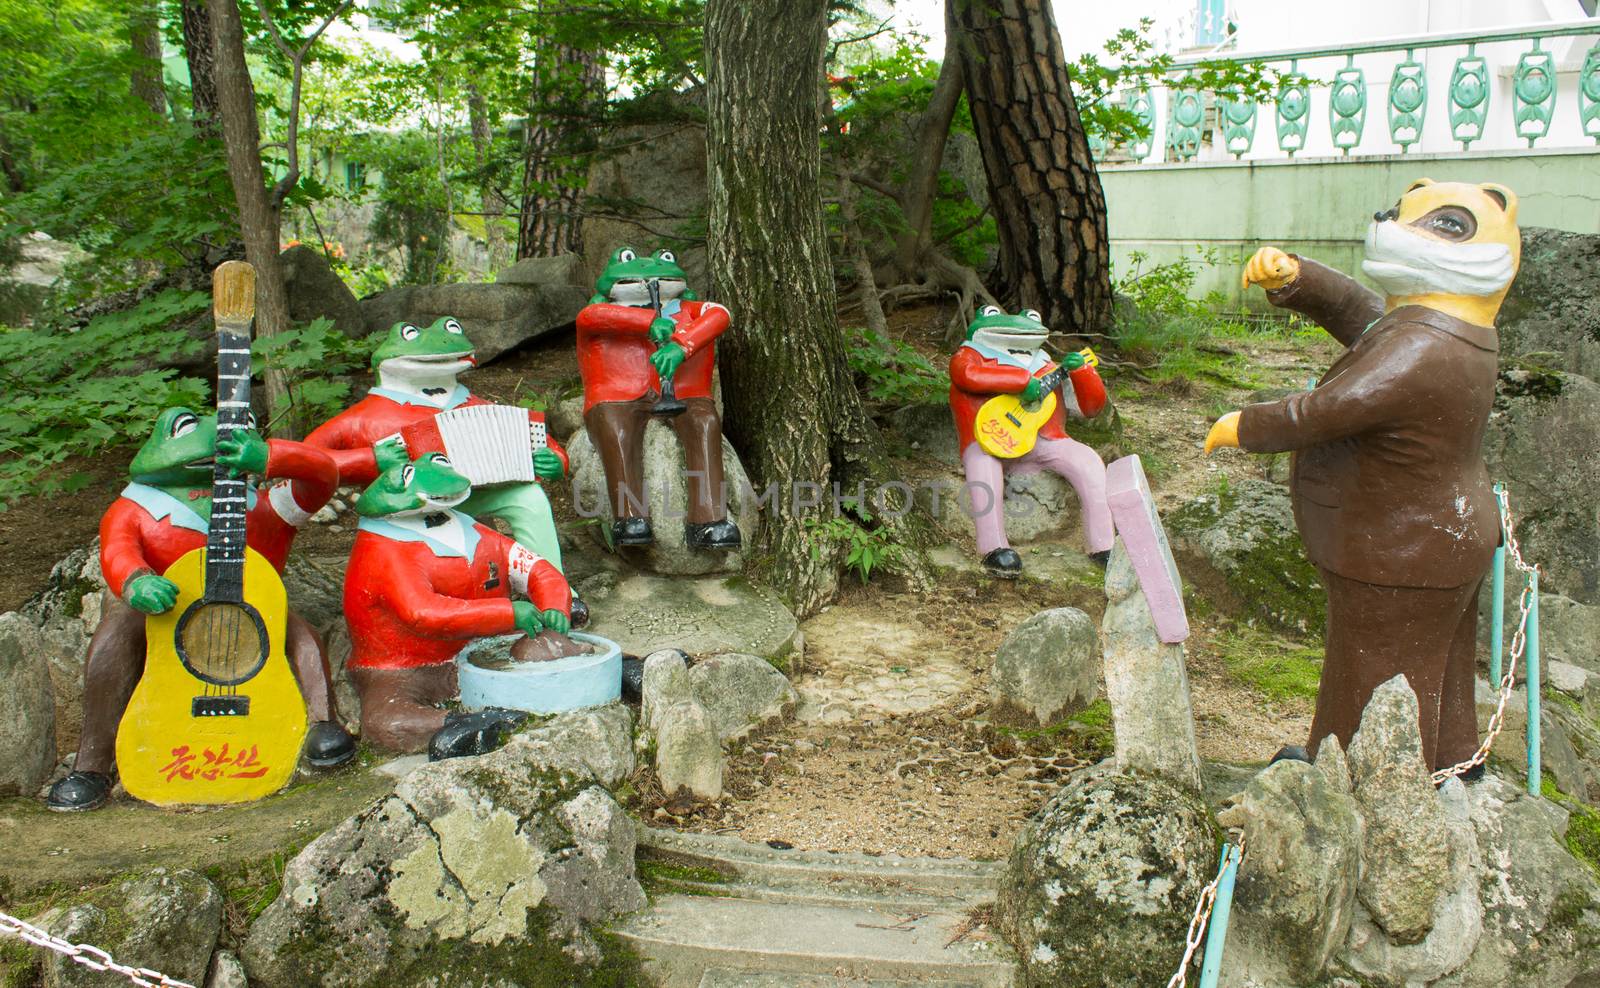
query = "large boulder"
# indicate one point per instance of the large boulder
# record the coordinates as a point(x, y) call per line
point(741, 693)
point(666, 492)
point(1099, 888)
point(650, 192)
point(66, 612)
point(316, 292)
point(27, 708)
point(497, 317)
point(1046, 668)
point(1551, 316)
point(476, 872)
point(165, 921)
point(1246, 534)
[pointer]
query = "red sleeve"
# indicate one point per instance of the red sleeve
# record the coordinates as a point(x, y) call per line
point(352, 457)
point(550, 440)
point(410, 594)
point(1089, 390)
point(605, 317)
point(314, 472)
point(121, 545)
point(976, 374)
point(703, 328)
point(546, 587)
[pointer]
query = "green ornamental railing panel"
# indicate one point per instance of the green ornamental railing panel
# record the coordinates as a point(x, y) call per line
point(1187, 117)
point(1469, 97)
point(1408, 101)
point(1533, 93)
point(1237, 114)
point(1347, 106)
point(1293, 112)
point(1142, 105)
point(1589, 93)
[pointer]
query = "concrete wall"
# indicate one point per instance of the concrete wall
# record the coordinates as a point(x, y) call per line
point(1318, 207)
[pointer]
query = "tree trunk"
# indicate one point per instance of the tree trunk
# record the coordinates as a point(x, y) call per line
point(199, 52)
point(144, 35)
point(791, 407)
point(922, 182)
point(1047, 201)
point(569, 84)
point(258, 217)
point(483, 156)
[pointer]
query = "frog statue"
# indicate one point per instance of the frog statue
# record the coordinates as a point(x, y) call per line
point(417, 369)
point(644, 336)
point(1389, 486)
point(1004, 355)
point(423, 580)
point(160, 517)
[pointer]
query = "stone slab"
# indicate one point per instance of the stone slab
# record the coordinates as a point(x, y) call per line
point(703, 617)
point(1139, 524)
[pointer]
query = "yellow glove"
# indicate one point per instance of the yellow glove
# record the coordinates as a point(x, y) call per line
point(1224, 432)
point(1270, 268)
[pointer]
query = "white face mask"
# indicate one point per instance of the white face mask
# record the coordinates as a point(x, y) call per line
point(1404, 263)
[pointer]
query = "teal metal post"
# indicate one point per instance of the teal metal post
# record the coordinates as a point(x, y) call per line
point(1497, 604)
point(1217, 932)
point(1533, 684)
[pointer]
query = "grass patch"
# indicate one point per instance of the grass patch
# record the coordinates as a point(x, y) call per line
point(1583, 824)
point(657, 876)
point(1275, 667)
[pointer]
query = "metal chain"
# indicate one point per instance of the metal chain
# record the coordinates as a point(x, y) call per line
point(1519, 642)
point(88, 955)
point(1202, 916)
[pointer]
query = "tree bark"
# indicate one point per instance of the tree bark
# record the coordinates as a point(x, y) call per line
point(144, 36)
point(483, 156)
point(922, 182)
point(199, 53)
point(792, 409)
point(568, 86)
point(259, 218)
point(1048, 204)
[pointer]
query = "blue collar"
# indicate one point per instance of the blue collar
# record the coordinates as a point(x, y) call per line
point(162, 505)
point(405, 533)
point(457, 397)
point(1038, 360)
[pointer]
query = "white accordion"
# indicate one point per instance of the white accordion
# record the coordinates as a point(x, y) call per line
point(487, 444)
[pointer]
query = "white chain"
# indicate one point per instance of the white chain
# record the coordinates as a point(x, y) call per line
point(1519, 642)
point(1202, 916)
point(89, 956)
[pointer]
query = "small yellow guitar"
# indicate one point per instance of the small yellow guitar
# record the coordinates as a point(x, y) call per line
point(1008, 427)
point(217, 716)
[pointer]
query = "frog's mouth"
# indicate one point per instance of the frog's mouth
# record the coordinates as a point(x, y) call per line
point(1014, 337)
point(203, 463)
point(636, 291)
point(431, 503)
point(435, 361)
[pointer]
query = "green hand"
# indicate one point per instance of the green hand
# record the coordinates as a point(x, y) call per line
point(667, 360)
point(150, 594)
point(242, 452)
point(661, 330)
point(1073, 361)
point(547, 465)
point(556, 621)
point(390, 453)
point(1033, 392)
point(526, 617)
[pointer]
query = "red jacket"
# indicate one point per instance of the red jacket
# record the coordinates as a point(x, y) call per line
point(979, 373)
point(146, 530)
point(614, 349)
point(413, 595)
point(349, 436)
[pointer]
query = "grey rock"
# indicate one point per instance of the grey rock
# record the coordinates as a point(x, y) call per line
point(1551, 315)
point(315, 586)
point(27, 708)
point(497, 317)
point(1568, 631)
point(595, 743)
point(1568, 678)
point(1101, 882)
point(688, 755)
point(1247, 535)
point(1295, 894)
point(316, 292)
point(227, 971)
point(1147, 684)
point(666, 684)
point(564, 270)
point(565, 418)
point(1047, 667)
point(703, 617)
point(652, 184)
point(1333, 764)
point(1407, 851)
point(1555, 499)
point(665, 489)
point(741, 693)
point(929, 428)
point(165, 920)
point(66, 612)
point(1558, 757)
point(336, 642)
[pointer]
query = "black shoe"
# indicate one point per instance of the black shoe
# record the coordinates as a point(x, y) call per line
point(329, 745)
point(79, 791)
point(580, 612)
point(632, 678)
point(632, 531)
point(722, 534)
point(1290, 753)
point(1101, 559)
point(473, 733)
point(1003, 562)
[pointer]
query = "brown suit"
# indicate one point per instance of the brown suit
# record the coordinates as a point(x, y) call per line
point(1392, 499)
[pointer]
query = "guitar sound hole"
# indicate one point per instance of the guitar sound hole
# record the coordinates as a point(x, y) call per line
point(222, 643)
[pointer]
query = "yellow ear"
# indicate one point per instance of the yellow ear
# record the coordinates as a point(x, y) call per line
point(1503, 196)
point(1420, 183)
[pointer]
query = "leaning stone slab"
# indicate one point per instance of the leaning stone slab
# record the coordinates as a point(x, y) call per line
point(1134, 511)
point(1046, 668)
point(27, 708)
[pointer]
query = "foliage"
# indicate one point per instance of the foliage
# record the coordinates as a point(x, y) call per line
point(1162, 328)
point(315, 359)
point(895, 372)
point(866, 546)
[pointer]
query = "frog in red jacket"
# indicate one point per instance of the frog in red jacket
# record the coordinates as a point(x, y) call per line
point(1004, 354)
point(424, 579)
point(161, 516)
point(625, 351)
point(417, 368)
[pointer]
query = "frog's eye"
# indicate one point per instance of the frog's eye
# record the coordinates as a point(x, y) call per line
point(626, 254)
point(406, 473)
point(184, 424)
point(439, 459)
point(990, 310)
point(409, 332)
point(1033, 314)
point(667, 255)
point(451, 326)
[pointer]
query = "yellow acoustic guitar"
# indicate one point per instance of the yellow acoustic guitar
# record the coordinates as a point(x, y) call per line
point(1008, 427)
point(217, 716)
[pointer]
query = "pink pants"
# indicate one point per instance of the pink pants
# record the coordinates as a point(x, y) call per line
point(1078, 464)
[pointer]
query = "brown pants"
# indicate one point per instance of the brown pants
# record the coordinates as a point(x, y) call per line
point(400, 707)
point(617, 430)
point(116, 661)
point(1376, 633)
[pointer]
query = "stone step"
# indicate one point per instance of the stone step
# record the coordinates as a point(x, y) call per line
point(724, 978)
point(682, 937)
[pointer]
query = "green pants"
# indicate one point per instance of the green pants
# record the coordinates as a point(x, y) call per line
point(525, 508)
